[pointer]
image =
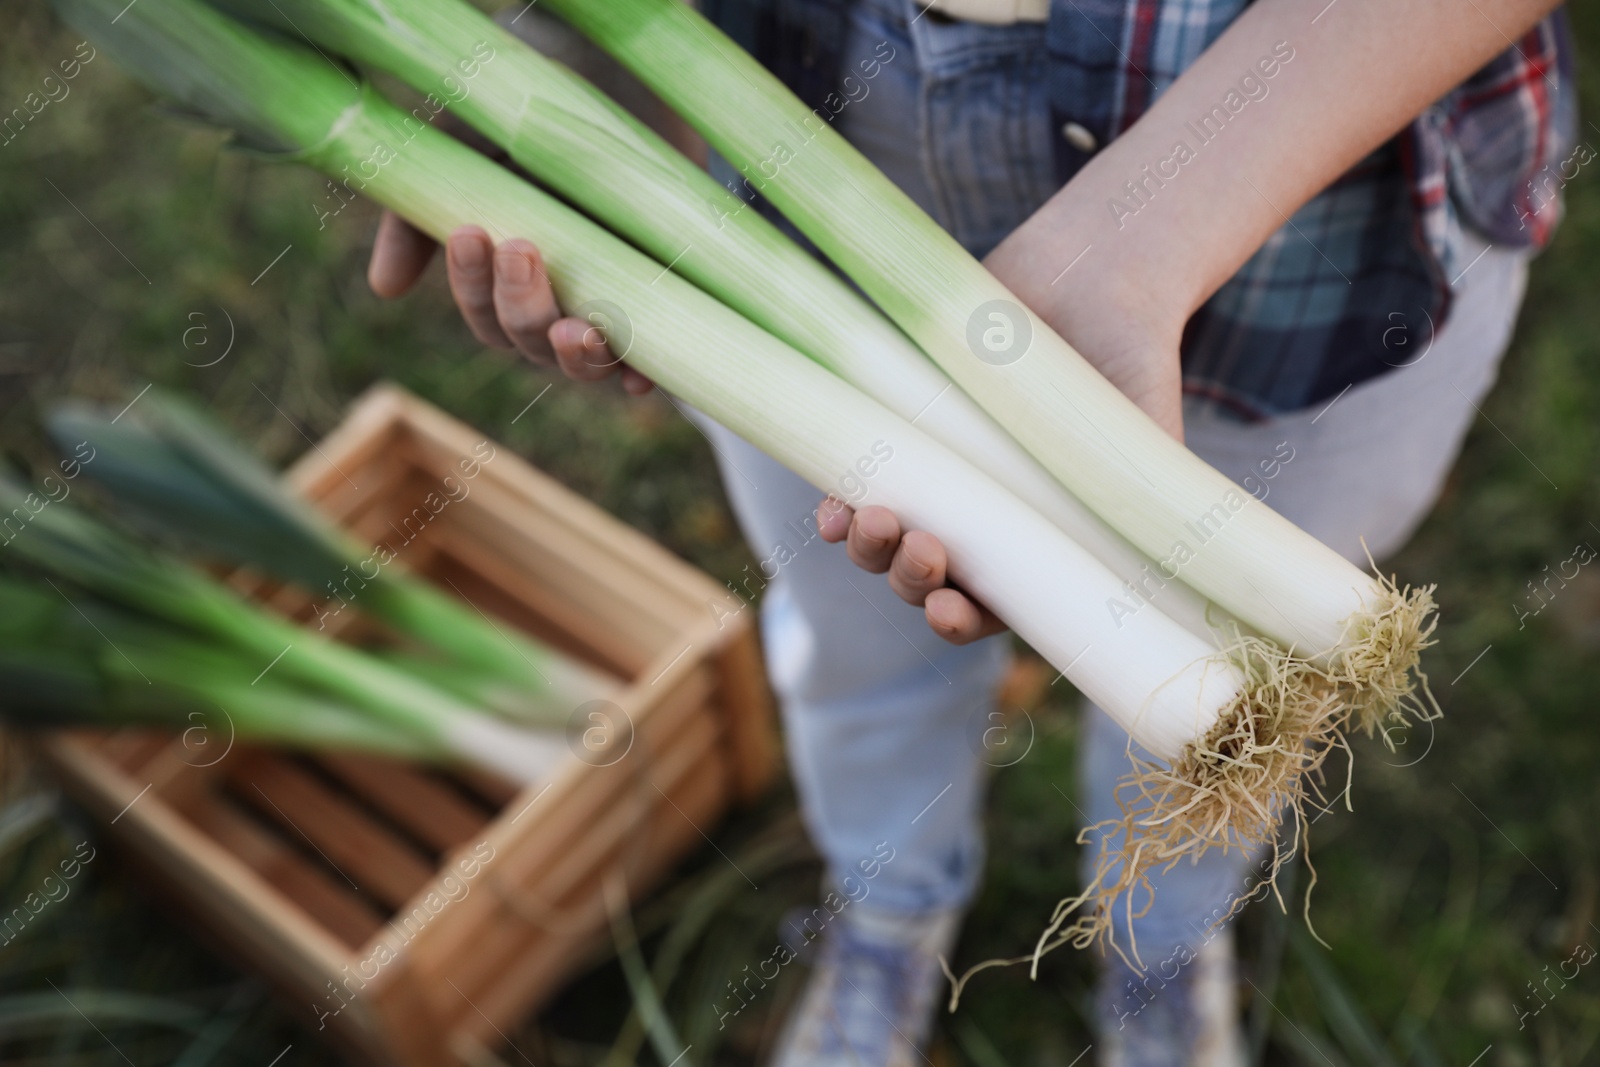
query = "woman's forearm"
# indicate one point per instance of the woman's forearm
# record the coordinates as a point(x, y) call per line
point(1283, 102)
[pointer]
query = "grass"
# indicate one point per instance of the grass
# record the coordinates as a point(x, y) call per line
point(138, 247)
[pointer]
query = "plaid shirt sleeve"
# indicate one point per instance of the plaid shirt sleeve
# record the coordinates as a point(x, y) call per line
point(1328, 301)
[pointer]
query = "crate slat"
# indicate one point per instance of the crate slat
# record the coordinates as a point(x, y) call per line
point(214, 885)
point(368, 855)
point(559, 901)
point(132, 749)
point(345, 914)
point(437, 814)
point(541, 826)
point(497, 790)
point(539, 970)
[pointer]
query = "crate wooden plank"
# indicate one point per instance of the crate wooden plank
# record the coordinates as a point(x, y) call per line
point(673, 830)
point(614, 556)
point(374, 519)
point(361, 850)
point(552, 899)
point(330, 902)
point(403, 519)
point(496, 790)
point(443, 436)
point(633, 617)
point(412, 1032)
point(620, 834)
point(430, 809)
point(746, 706)
point(131, 750)
point(368, 485)
point(219, 888)
point(538, 974)
point(531, 838)
point(369, 429)
point(182, 773)
point(476, 572)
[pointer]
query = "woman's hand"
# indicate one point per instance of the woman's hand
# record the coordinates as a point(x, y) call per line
point(1119, 290)
point(1109, 318)
point(504, 295)
point(916, 564)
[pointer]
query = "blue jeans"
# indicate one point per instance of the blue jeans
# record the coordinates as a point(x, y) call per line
point(884, 721)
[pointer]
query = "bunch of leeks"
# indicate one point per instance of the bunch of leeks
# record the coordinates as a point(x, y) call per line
point(733, 319)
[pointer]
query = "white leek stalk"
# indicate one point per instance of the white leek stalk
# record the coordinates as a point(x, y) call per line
point(1247, 559)
point(66, 547)
point(576, 141)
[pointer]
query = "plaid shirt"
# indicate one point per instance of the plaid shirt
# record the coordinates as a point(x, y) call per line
point(1360, 277)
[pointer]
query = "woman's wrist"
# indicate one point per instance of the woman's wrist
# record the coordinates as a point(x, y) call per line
point(1072, 250)
point(1118, 304)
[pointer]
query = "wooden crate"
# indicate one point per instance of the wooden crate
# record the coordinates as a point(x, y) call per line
point(433, 910)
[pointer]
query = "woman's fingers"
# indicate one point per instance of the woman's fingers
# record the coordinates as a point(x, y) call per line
point(833, 519)
point(581, 350)
point(920, 576)
point(918, 567)
point(634, 383)
point(874, 536)
point(524, 303)
point(504, 294)
point(584, 355)
point(956, 618)
point(470, 259)
point(400, 253)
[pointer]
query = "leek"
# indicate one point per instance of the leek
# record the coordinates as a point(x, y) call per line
point(178, 470)
point(63, 546)
point(86, 662)
point(1253, 563)
point(576, 141)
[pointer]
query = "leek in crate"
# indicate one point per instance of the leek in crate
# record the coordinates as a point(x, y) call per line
point(185, 620)
point(87, 663)
point(1366, 633)
point(178, 470)
point(1168, 687)
point(575, 140)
